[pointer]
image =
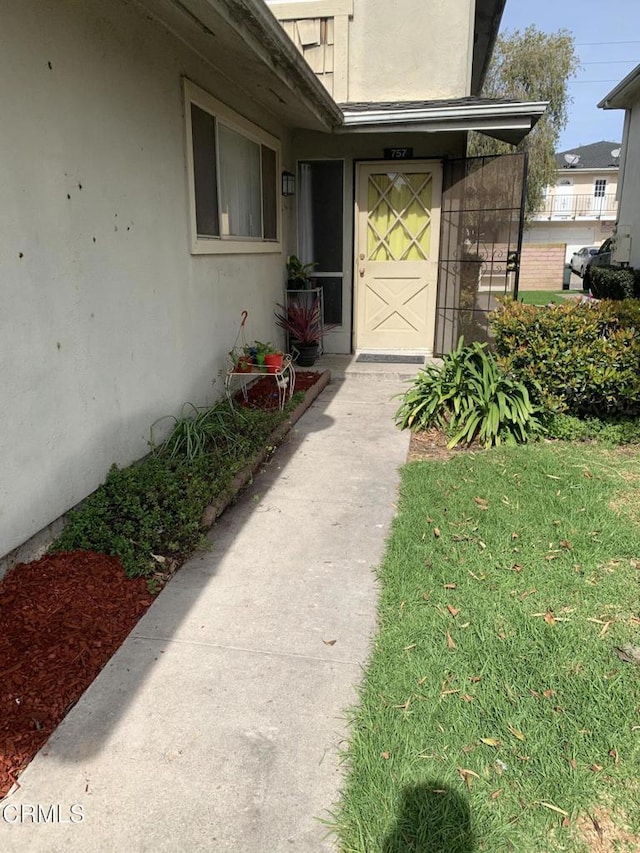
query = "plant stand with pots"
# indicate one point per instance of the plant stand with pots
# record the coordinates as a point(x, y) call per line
point(284, 379)
point(250, 362)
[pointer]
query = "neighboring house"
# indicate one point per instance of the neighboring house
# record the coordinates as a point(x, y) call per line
point(144, 148)
point(579, 210)
point(626, 96)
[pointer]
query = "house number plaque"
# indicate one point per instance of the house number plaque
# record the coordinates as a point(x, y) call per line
point(398, 153)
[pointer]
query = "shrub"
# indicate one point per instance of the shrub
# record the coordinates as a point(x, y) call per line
point(471, 398)
point(612, 432)
point(613, 283)
point(577, 358)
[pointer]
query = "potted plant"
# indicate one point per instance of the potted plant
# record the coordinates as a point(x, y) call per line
point(302, 321)
point(267, 357)
point(241, 361)
point(298, 274)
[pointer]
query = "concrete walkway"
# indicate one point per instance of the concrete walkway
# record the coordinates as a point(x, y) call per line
point(217, 725)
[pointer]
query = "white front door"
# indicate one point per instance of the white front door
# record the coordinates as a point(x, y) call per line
point(398, 232)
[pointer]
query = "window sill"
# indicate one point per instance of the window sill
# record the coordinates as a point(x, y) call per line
point(203, 246)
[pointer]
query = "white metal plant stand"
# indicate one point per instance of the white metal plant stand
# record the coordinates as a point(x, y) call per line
point(284, 380)
point(284, 377)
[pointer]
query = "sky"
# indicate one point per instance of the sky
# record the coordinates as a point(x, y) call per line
point(607, 40)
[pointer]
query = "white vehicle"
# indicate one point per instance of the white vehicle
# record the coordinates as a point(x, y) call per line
point(580, 259)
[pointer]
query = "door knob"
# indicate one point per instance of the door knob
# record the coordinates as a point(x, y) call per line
point(361, 272)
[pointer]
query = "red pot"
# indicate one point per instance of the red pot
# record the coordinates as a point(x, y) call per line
point(274, 362)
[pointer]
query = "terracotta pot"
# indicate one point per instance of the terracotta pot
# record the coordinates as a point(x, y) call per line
point(274, 362)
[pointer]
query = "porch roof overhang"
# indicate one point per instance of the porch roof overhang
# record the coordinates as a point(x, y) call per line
point(624, 94)
point(509, 121)
point(243, 41)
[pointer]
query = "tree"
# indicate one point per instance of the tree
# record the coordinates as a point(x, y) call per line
point(531, 66)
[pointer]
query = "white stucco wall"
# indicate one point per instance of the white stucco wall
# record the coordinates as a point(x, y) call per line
point(107, 321)
point(583, 181)
point(629, 200)
point(410, 50)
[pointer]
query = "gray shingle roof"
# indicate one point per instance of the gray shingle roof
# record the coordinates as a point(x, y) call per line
point(391, 106)
point(594, 156)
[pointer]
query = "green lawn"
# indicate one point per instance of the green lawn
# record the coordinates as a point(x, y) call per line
point(542, 297)
point(494, 713)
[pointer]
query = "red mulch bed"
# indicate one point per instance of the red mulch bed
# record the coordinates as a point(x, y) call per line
point(61, 619)
point(263, 394)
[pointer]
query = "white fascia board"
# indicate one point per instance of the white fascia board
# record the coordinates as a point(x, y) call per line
point(532, 111)
point(620, 96)
point(522, 126)
point(587, 170)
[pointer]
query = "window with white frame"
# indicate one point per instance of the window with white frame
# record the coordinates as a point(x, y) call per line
point(600, 187)
point(233, 173)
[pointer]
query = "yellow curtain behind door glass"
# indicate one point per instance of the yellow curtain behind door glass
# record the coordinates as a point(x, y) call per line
point(398, 224)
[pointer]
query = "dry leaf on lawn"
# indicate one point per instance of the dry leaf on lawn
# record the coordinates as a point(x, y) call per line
point(450, 642)
point(552, 807)
point(516, 733)
point(453, 610)
point(467, 775)
point(491, 741)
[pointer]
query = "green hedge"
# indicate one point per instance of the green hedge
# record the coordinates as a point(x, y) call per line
point(585, 357)
point(613, 282)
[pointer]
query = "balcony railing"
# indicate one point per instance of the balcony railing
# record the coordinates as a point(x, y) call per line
point(586, 206)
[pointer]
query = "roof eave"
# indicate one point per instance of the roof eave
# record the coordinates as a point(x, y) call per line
point(621, 96)
point(263, 38)
point(508, 122)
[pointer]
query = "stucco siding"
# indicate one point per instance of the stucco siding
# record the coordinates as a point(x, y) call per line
point(373, 50)
point(390, 61)
point(108, 321)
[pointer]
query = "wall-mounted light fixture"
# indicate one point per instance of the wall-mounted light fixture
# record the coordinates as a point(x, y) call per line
point(288, 183)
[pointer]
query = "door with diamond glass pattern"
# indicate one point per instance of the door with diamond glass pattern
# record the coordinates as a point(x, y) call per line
point(398, 231)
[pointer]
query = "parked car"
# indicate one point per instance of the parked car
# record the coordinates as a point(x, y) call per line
point(602, 257)
point(580, 259)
